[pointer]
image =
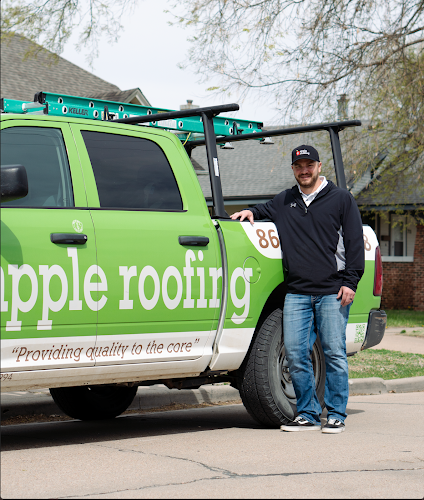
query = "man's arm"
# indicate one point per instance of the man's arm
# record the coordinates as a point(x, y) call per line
point(353, 239)
point(260, 211)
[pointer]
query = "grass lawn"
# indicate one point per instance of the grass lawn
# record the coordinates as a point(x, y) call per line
point(385, 364)
point(404, 317)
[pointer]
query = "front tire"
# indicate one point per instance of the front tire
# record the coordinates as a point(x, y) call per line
point(93, 402)
point(265, 385)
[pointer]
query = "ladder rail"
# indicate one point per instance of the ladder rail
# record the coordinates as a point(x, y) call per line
point(206, 121)
point(180, 122)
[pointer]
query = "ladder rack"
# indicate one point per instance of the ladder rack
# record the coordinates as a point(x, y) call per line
point(201, 124)
point(98, 109)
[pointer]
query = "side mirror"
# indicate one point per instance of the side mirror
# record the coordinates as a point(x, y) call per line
point(14, 182)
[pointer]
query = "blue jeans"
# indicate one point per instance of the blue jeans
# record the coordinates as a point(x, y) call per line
point(304, 317)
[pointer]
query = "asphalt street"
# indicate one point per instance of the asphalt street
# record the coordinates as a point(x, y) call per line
point(220, 452)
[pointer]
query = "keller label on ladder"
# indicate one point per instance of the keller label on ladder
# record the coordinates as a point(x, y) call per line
point(168, 123)
point(216, 167)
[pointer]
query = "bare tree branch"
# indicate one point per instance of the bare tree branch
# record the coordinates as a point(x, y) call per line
point(50, 23)
point(319, 48)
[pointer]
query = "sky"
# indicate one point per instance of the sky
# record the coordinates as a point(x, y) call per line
point(147, 56)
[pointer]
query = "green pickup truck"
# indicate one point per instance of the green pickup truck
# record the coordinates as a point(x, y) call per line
point(114, 274)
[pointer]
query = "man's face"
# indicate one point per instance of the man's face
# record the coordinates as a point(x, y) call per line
point(306, 172)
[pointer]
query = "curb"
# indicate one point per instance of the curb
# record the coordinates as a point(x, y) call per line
point(37, 402)
point(159, 396)
point(376, 385)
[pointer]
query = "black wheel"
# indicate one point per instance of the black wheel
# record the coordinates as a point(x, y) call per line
point(94, 402)
point(265, 385)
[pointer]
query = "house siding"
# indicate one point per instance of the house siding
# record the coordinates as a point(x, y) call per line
point(403, 286)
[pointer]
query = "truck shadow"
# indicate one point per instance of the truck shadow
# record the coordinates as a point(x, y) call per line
point(130, 426)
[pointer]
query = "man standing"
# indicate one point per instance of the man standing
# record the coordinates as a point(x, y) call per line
point(321, 238)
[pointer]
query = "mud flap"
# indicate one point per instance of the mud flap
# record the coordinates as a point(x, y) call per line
point(377, 320)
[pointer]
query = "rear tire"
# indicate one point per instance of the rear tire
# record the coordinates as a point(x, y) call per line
point(265, 385)
point(95, 402)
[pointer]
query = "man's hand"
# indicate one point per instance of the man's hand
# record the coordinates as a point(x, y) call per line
point(347, 295)
point(244, 214)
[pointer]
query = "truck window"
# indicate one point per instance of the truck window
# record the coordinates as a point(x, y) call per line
point(42, 152)
point(131, 173)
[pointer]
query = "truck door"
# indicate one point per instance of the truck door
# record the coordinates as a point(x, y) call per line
point(47, 319)
point(156, 247)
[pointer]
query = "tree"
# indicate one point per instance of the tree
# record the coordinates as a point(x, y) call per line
point(50, 23)
point(390, 146)
point(302, 52)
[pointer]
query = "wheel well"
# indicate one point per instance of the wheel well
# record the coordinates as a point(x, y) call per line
point(274, 301)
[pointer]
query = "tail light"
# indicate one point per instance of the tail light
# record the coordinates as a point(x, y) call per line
point(378, 273)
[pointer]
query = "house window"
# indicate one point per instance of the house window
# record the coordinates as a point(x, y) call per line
point(398, 241)
point(383, 235)
point(396, 235)
point(393, 236)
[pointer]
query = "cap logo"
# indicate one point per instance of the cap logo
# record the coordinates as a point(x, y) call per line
point(302, 152)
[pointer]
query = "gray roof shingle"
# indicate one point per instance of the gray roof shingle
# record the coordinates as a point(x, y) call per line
point(22, 77)
point(255, 172)
point(407, 193)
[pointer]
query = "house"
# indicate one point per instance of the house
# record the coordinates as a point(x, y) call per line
point(395, 210)
point(22, 77)
point(399, 226)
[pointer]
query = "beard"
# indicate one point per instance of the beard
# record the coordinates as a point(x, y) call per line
point(308, 180)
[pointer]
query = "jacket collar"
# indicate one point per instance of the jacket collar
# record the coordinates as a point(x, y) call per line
point(298, 197)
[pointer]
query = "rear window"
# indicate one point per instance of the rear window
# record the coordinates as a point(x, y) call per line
point(131, 173)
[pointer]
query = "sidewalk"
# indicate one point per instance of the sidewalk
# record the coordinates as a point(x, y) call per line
point(39, 401)
point(393, 340)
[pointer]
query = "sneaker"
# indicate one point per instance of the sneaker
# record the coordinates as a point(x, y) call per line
point(300, 424)
point(333, 426)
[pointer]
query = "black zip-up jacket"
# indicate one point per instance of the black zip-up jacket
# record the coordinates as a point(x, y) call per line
point(310, 237)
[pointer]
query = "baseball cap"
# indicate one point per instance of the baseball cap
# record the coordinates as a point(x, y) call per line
point(305, 151)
